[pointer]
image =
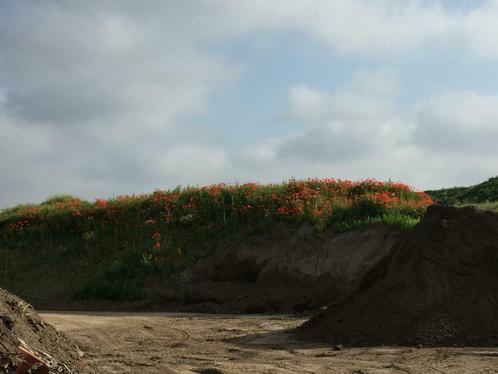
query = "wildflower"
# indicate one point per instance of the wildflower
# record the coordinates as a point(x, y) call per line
point(101, 203)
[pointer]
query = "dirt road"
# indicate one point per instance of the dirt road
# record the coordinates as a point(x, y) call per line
point(186, 343)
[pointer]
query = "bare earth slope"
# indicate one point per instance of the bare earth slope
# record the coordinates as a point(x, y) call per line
point(289, 269)
point(438, 286)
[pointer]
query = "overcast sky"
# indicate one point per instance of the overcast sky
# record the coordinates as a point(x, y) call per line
point(101, 98)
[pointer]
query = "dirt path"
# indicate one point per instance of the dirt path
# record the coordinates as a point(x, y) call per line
point(186, 343)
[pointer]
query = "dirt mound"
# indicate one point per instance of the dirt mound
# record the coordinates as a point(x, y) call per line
point(20, 325)
point(289, 269)
point(438, 286)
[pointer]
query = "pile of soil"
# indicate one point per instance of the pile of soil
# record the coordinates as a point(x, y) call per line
point(20, 325)
point(437, 287)
point(290, 269)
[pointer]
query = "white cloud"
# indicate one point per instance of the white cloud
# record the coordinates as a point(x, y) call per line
point(95, 98)
point(448, 140)
point(479, 29)
point(367, 96)
point(70, 66)
point(381, 82)
point(459, 121)
point(374, 28)
point(347, 124)
point(102, 88)
point(309, 104)
point(190, 164)
point(362, 28)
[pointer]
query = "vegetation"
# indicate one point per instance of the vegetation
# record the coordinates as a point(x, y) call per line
point(491, 206)
point(113, 245)
point(52, 200)
point(480, 194)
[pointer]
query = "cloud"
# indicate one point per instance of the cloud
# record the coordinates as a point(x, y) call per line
point(89, 92)
point(193, 163)
point(98, 98)
point(309, 104)
point(372, 29)
point(65, 66)
point(357, 120)
point(357, 132)
point(458, 121)
point(363, 28)
point(479, 28)
point(368, 95)
point(375, 28)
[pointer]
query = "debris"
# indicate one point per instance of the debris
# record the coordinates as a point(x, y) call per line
point(29, 360)
point(28, 343)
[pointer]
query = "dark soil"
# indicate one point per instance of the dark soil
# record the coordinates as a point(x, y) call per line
point(289, 269)
point(437, 287)
point(21, 325)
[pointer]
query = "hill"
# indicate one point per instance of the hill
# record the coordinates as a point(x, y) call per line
point(136, 248)
point(484, 192)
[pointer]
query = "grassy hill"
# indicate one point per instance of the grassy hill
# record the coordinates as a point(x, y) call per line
point(483, 195)
point(67, 248)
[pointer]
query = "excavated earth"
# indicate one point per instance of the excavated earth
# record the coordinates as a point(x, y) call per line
point(289, 269)
point(20, 325)
point(437, 287)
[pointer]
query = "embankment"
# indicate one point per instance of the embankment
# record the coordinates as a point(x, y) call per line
point(171, 249)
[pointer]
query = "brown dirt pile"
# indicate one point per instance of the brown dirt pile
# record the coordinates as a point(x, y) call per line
point(438, 286)
point(289, 269)
point(20, 324)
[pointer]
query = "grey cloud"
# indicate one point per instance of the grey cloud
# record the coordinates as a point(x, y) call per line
point(458, 121)
point(448, 140)
point(104, 89)
point(351, 123)
point(64, 65)
point(327, 142)
point(94, 95)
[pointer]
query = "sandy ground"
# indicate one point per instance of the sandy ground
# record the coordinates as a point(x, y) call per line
point(186, 343)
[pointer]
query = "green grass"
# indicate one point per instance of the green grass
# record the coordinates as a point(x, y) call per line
point(481, 193)
point(489, 206)
point(394, 219)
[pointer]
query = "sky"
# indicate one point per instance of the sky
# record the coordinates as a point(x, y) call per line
point(99, 99)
